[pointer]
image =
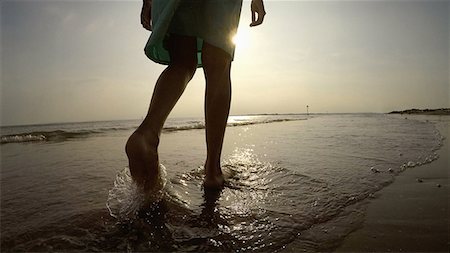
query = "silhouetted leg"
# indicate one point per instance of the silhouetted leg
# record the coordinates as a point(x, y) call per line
point(216, 66)
point(141, 147)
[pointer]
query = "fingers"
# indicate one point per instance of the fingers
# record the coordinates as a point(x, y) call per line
point(146, 23)
point(259, 20)
point(253, 17)
point(257, 7)
point(146, 15)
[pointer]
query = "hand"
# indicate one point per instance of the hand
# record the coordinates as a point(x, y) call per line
point(146, 14)
point(257, 7)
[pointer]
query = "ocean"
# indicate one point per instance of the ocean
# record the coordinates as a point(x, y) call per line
point(295, 182)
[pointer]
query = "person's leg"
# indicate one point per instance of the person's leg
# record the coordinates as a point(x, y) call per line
point(216, 66)
point(141, 147)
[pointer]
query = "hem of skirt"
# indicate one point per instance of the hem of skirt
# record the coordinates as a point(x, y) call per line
point(199, 51)
point(162, 62)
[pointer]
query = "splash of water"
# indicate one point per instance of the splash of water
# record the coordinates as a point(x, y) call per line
point(125, 198)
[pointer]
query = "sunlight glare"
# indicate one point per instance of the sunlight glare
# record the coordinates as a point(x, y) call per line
point(242, 38)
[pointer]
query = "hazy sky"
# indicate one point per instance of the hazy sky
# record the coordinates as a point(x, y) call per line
point(83, 60)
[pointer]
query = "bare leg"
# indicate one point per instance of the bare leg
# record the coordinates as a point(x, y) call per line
point(141, 147)
point(216, 65)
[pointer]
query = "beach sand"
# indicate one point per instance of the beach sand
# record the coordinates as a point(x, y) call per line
point(408, 215)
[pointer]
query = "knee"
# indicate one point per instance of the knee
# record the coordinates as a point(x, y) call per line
point(186, 67)
point(216, 62)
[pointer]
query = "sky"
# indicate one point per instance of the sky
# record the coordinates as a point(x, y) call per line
point(68, 61)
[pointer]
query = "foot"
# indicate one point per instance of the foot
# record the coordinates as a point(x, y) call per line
point(213, 178)
point(143, 161)
point(214, 182)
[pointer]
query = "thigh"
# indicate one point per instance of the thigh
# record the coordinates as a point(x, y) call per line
point(182, 49)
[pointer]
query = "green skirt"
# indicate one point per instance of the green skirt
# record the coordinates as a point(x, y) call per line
point(212, 21)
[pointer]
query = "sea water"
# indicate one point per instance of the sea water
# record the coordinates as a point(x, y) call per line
point(294, 182)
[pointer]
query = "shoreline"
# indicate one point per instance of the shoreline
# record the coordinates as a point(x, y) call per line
point(411, 214)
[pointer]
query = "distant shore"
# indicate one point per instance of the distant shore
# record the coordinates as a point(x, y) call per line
point(441, 111)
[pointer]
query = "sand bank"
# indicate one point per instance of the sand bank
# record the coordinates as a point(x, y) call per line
point(441, 111)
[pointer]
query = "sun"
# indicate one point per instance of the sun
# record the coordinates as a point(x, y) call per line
point(242, 38)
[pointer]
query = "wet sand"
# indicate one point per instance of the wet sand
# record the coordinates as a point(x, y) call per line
point(411, 214)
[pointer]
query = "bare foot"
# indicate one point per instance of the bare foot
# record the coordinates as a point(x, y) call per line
point(214, 182)
point(143, 161)
point(213, 179)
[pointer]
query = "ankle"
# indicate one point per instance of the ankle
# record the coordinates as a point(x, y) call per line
point(212, 168)
point(151, 137)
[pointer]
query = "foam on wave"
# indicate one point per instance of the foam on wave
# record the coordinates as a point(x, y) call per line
point(63, 135)
point(58, 135)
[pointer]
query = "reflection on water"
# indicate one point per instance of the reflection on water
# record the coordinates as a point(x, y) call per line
point(297, 185)
point(241, 217)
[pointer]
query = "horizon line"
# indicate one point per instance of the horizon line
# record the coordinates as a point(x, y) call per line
point(231, 115)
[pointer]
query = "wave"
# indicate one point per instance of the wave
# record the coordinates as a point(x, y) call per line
point(266, 121)
point(201, 125)
point(63, 135)
point(57, 135)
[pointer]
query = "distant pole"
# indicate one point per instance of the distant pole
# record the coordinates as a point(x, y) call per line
point(307, 109)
